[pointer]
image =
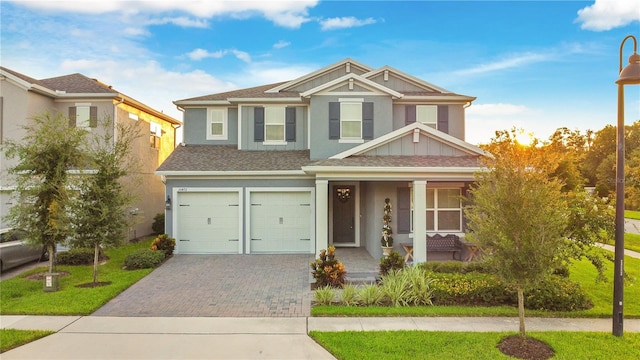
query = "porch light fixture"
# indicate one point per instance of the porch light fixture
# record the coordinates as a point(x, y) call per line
point(630, 75)
point(167, 204)
point(343, 194)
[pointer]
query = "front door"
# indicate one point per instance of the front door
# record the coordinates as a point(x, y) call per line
point(344, 215)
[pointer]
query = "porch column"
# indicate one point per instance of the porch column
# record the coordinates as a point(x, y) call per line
point(322, 211)
point(419, 221)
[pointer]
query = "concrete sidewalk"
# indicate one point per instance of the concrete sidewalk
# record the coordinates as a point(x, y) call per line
point(100, 337)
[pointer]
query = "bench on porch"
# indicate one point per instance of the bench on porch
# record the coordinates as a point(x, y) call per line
point(438, 243)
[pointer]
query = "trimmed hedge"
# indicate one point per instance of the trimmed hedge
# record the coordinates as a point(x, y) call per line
point(143, 259)
point(78, 256)
point(554, 293)
point(456, 267)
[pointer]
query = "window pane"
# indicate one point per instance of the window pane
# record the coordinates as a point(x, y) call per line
point(82, 116)
point(216, 115)
point(351, 129)
point(430, 220)
point(274, 115)
point(448, 220)
point(449, 198)
point(430, 199)
point(351, 111)
point(216, 129)
point(427, 114)
point(274, 133)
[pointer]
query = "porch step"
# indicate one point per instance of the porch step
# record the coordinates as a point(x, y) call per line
point(361, 278)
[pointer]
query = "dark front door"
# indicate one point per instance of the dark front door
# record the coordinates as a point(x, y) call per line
point(344, 221)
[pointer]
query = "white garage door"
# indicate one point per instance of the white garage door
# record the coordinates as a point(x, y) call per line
point(208, 223)
point(281, 222)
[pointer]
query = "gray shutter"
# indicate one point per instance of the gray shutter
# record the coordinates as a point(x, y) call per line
point(93, 116)
point(72, 116)
point(258, 123)
point(334, 120)
point(403, 218)
point(466, 201)
point(367, 120)
point(409, 114)
point(443, 118)
point(290, 124)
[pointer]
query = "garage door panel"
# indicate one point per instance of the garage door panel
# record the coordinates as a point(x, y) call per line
point(208, 222)
point(280, 222)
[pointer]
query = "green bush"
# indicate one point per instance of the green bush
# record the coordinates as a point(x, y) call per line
point(78, 256)
point(324, 295)
point(394, 262)
point(555, 293)
point(370, 295)
point(349, 295)
point(164, 243)
point(143, 259)
point(327, 270)
point(452, 267)
point(158, 224)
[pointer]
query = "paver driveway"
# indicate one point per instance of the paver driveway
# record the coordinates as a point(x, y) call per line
point(220, 285)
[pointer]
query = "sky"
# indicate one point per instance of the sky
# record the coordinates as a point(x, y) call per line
point(533, 65)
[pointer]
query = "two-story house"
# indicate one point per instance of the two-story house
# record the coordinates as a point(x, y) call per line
point(87, 102)
point(296, 166)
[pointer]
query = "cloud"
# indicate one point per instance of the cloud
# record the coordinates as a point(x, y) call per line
point(608, 14)
point(507, 63)
point(181, 21)
point(281, 44)
point(199, 54)
point(285, 13)
point(344, 22)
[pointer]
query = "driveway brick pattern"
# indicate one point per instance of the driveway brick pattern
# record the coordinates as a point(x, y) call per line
point(220, 286)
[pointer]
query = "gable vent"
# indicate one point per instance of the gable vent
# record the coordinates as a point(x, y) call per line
point(386, 75)
point(350, 84)
point(348, 67)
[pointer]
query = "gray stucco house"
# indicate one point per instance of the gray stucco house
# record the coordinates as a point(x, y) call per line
point(296, 166)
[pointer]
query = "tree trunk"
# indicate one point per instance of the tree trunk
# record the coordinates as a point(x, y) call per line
point(96, 259)
point(521, 310)
point(52, 257)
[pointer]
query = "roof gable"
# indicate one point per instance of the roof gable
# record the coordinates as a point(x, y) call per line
point(364, 82)
point(419, 83)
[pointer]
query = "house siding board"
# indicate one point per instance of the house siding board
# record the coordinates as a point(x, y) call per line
point(324, 78)
point(395, 83)
point(195, 127)
point(248, 127)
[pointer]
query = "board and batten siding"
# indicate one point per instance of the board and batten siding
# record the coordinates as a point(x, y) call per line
point(295, 141)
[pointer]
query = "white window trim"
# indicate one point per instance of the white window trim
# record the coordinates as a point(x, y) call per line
point(86, 126)
point(284, 126)
point(350, 140)
point(436, 209)
point(210, 122)
point(435, 120)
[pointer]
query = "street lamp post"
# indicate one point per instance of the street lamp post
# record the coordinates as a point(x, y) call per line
point(630, 75)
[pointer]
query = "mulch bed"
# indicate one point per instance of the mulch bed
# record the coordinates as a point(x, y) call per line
point(525, 348)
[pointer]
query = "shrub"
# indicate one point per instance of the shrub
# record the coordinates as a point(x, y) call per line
point(370, 294)
point(420, 292)
point(164, 243)
point(349, 295)
point(327, 270)
point(393, 262)
point(395, 288)
point(158, 224)
point(324, 295)
point(452, 267)
point(557, 293)
point(78, 256)
point(143, 259)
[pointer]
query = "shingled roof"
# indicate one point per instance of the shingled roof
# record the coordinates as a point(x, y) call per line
point(77, 84)
point(421, 161)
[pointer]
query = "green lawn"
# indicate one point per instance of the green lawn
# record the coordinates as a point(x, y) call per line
point(467, 345)
point(632, 242)
point(12, 338)
point(632, 214)
point(20, 296)
point(600, 293)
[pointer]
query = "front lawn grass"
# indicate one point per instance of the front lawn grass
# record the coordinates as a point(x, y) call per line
point(632, 214)
point(600, 294)
point(377, 345)
point(21, 296)
point(12, 338)
point(632, 242)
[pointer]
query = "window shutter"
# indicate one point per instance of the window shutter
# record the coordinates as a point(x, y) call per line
point(72, 116)
point(465, 202)
point(334, 120)
point(258, 123)
point(404, 210)
point(409, 114)
point(443, 118)
point(290, 124)
point(93, 116)
point(367, 120)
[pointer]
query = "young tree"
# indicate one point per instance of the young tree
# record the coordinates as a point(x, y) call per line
point(518, 216)
point(100, 213)
point(48, 151)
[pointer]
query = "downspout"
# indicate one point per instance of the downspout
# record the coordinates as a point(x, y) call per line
point(176, 127)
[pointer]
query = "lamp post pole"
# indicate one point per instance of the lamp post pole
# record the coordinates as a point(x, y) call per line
point(629, 75)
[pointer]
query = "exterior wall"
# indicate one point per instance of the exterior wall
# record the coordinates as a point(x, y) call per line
point(175, 184)
point(456, 119)
point(395, 83)
point(247, 131)
point(195, 127)
point(406, 146)
point(335, 74)
point(321, 146)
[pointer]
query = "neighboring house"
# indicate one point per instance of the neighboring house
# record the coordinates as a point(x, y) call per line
point(87, 102)
point(296, 166)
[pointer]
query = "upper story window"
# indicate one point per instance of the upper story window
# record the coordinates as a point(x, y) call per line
point(83, 116)
point(274, 120)
point(351, 120)
point(444, 210)
point(428, 115)
point(217, 124)
point(155, 136)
